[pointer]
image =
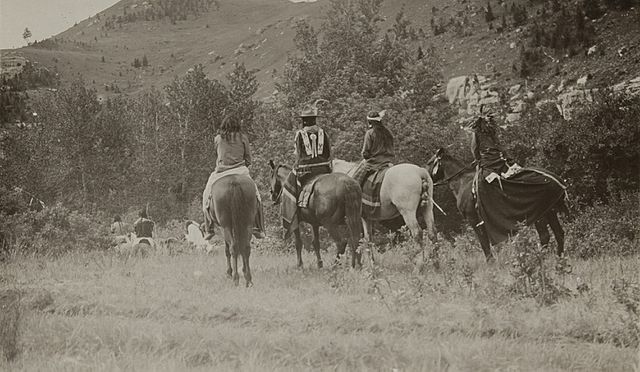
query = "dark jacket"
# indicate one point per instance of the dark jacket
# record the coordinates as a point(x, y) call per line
point(378, 146)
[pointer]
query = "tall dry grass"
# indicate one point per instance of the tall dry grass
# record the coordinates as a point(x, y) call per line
point(99, 311)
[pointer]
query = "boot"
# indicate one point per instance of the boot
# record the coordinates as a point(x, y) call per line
point(258, 229)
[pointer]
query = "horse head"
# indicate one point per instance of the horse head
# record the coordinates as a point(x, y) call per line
point(433, 165)
point(275, 182)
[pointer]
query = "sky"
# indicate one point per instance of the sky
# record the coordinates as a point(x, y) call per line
point(44, 18)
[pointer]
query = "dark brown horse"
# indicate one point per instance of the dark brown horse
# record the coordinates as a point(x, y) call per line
point(447, 170)
point(234, 205)
point(336, 200)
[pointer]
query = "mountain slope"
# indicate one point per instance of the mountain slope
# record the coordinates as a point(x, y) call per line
point(260, 34)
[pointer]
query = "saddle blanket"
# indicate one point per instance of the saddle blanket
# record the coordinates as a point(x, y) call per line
point(525, 196)
point(371, 206)
point(294, 195)
point(216, 176)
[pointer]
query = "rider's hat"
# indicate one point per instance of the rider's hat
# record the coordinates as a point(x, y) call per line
point(376, 116)
point(311, 110)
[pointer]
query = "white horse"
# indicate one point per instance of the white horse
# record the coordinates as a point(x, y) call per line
point(406, 190)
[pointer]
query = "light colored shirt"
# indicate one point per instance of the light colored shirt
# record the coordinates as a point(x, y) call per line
point(233, 152)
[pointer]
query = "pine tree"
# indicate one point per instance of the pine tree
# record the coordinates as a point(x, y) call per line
point(488, 15)
point(145, 61)
point(592, 9)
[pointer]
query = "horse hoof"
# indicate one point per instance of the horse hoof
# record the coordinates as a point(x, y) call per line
point(249, 284)
point(320, 265)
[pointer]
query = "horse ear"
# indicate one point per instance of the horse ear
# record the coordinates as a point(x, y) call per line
point(272, 164)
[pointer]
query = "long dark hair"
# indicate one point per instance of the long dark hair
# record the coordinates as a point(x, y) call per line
point(386, 138)
point(230, 127)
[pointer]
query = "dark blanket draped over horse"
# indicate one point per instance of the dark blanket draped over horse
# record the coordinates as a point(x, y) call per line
point(532, 196)
point(330, 200)
point(234, 206)
point(371, 177)
point(524, 196)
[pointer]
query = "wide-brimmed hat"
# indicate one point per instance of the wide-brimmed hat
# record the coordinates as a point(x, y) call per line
point(376, 116)
point(311, 110)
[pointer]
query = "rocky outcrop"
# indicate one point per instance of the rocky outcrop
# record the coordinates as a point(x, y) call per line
point(470, 92)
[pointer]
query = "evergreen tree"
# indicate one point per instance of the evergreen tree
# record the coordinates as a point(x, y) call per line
point(488, 15)
point(145, 61)
point(592, 9)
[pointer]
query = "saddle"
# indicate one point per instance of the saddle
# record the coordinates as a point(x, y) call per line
point(307, 191)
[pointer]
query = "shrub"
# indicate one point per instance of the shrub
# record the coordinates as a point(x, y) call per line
point(533, 275)
point(601, 230)
point(596, 152)
point(53, 231)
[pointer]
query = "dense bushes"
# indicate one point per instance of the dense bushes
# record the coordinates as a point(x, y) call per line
point(596, 152)
point(612, 229)
point(52, 231)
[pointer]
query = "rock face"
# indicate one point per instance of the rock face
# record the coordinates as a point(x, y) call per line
point(470, 92)
point(573, 97)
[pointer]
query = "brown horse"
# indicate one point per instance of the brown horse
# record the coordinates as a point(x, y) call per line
point(234, 205)
point(336, 200)
point(447, 170)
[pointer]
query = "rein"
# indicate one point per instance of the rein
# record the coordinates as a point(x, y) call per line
point(462, 170)
point(275, 174)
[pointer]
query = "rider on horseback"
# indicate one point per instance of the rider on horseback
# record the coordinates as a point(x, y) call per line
point(377, 150)
point(312, 147)
point(313, 157)
point(233, 157)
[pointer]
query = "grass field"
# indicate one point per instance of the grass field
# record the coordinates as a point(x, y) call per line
point(99, 311)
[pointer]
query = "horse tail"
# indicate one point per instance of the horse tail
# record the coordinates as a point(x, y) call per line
point(241, 218)
point(426, 201)
point(353, 211)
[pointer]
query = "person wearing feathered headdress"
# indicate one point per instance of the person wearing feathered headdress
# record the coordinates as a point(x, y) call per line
point(377, 150)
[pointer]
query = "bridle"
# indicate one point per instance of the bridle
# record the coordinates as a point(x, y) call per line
point(448, 179)
point(279, 196)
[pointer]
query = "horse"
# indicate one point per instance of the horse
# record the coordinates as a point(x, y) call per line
point(336, 200)
point(401, 193)
point(452, 172)
point(234, 205)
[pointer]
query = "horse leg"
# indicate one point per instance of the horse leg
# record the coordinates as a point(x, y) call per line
point(367, 227)
point(245, 266)
point(316, 244)
point(413, 225)
point(543, 232)
point(481, 233)
point(228, 254)
point(558, 232)
point(341, 243)
point(296, 233)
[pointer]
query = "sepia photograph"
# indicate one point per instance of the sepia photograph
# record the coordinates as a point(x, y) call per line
point(320, 185)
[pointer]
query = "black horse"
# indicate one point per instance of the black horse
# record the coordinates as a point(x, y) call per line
point(460, 178)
